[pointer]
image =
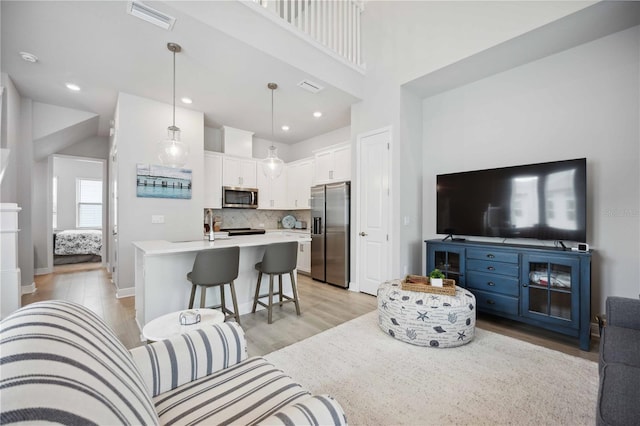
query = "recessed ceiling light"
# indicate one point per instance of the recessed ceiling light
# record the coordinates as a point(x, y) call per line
point(73, 87)
point(29, 57)
point(285, 128)
point(186, 100)
point(317, 114)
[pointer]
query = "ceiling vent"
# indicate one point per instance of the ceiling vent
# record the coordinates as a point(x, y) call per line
point(149, 14)
point(310, 86)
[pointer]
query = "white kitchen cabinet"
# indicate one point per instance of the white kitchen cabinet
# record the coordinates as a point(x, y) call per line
point(299, 178)
point(272, 193)
point(239, 172)
point(332, 164)
point(304, 257)
point(212, 180)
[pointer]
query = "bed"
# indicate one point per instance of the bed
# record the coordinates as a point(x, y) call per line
point(77, 246)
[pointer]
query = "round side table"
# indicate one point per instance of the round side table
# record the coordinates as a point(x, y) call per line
point(168, 325)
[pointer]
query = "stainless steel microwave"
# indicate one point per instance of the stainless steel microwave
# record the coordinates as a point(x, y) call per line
point(240, 198)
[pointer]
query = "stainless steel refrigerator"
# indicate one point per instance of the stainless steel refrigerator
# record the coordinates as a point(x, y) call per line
point(330, 212)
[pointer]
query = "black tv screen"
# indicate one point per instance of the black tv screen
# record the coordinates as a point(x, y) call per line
point(545, 201)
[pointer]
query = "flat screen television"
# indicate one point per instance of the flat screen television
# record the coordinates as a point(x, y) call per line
point(545, 201)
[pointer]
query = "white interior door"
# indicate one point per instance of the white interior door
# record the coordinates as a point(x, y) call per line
point(373, 210)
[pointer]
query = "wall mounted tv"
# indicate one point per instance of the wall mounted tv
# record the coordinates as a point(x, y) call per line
point(545, 201)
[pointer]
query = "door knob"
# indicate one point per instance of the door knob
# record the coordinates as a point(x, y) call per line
point(363, 234)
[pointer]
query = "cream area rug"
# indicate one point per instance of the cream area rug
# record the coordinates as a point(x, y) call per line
point(493, 380)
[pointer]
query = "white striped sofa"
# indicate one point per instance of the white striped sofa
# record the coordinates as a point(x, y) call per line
point(59, 362)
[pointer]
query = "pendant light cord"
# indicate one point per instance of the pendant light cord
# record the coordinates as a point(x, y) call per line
point(174, 88)
point(272, 87)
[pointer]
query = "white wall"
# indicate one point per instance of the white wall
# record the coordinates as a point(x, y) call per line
point(403, 40)
point(583, 102)
point(40, 217)
point(141, 124)
point(212, 139)
point(68, 170)
point(10, 138)
point(24, 196)
point(305, 148)
point(93, 147)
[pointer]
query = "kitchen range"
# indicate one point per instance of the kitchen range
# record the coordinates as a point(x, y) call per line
point(242, 231)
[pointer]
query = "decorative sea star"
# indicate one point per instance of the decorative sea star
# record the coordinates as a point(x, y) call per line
point(422, 316)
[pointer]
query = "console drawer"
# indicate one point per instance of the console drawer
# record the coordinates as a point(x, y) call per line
point(493, 267)
point(493, 302)
point(493, 283)
point(488, 254)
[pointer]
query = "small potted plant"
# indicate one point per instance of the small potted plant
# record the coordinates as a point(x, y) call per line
point(435, 277)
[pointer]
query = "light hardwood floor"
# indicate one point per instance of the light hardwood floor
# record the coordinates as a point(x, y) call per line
point(323, 306)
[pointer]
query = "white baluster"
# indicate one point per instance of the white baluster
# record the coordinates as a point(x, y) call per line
point(306, 16)
point(358, 53)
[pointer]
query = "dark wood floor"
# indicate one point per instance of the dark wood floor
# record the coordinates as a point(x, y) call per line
point(323, 307)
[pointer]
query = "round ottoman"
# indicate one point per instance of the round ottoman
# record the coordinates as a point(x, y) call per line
point(426, 319)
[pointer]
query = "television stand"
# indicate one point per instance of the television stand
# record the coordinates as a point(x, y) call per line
point(541, 286)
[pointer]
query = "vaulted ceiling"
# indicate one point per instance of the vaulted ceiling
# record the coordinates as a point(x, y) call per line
point(104, 50)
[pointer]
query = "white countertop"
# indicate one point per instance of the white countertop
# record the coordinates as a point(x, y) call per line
point(158, 247)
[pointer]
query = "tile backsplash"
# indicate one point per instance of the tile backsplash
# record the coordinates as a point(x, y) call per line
point(249, 218)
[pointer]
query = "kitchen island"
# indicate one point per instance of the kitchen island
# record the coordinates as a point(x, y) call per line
point(161, 269)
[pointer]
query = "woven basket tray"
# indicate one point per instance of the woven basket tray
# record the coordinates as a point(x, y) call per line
point(421, 284)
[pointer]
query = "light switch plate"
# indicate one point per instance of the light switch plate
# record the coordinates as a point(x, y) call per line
point(156, 218)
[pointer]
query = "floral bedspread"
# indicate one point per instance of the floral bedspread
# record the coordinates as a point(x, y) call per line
point(78, 242)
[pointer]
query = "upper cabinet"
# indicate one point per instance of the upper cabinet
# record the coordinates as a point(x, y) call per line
point(332, 164)
point(272, 193)
point(299, 178)
point(212, 180)
point(239, 172)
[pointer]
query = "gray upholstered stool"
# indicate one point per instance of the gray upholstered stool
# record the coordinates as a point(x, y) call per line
point(216, 267)
point(278, 259)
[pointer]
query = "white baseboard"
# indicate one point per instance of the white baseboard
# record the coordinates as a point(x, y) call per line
point(28, 289)
point(43, 271)
point(353, 287)
point(125, 292)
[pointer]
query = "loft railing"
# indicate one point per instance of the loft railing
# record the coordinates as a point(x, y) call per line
point(333, 23)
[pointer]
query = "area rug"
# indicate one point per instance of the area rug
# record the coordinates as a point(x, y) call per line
point(492, 380)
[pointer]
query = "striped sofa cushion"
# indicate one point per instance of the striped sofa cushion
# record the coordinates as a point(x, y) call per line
point(60, 362)
point(167, 364)
point(243, 394)
point(317, 410)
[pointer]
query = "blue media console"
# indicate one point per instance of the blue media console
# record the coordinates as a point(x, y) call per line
point(544, 287)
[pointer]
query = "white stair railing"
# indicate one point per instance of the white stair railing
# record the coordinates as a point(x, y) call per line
point(333, 23)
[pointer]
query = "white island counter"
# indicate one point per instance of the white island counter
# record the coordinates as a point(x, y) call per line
point(161, 269)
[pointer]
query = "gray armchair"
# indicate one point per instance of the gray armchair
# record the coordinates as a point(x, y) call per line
point(619, 364)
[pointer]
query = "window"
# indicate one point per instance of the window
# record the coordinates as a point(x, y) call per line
point(54, 200)
point(89, 203)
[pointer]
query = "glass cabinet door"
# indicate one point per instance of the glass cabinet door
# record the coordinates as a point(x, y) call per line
point(548, 289)
point(449, 260)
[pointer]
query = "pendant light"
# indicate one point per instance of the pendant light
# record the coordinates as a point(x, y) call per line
point(272, 165)
point(171, 151)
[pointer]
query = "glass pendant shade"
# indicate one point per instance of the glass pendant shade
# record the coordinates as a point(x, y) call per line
point(272, 165)
point(171, 151)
